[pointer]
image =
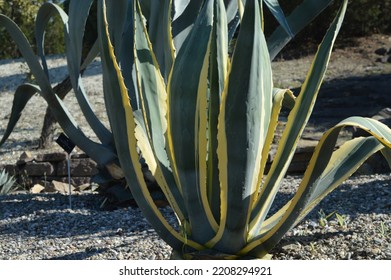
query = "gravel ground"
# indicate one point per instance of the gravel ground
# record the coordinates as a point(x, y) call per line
point(40, 226)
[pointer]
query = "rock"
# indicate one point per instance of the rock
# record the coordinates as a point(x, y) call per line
point(26, 156)
point(52, 157)
point(84, 187)
point(38, 169)
point(389, 59)
point(37, 188)
point(79, 168)
point(61, 187)
point(381, 51)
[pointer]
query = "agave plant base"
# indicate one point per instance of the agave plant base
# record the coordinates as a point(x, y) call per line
point(212, 255)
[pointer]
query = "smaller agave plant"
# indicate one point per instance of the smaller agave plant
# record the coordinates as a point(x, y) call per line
point(7, 183)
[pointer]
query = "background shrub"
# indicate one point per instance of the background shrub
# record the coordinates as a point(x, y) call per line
point(23, 12)
point(363, 18)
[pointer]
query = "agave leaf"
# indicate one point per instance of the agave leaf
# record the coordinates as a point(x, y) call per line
point(153, 98)
point(45, 13)
point(281, 97)
point(326, 170)
point(187, 122)
point(78, 13)
point(101, 154)
point(143, 142)
point(218, 72)
point(243, 123)
point(74, 42)
point(233, 18)
point(387, 155)
point(22, 95)
point(183, 20)
point(125, 140)
point(7, 183)
point(159, 26)
point(301, 16)
point(278, 13)
point(297, 120)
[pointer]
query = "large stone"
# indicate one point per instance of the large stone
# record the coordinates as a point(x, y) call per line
point(38, 169)
point(51, 157)
point(37, 188)
point(79, 168)
point(24, 158)
point(61, 187)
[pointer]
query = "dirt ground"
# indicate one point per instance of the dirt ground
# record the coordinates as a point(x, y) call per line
point(357, 83)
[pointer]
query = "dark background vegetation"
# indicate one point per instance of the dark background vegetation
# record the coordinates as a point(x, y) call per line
point(23, 12)
point(364, 17)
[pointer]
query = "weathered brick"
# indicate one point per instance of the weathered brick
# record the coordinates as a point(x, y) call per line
point(79, 168)
point(38, 169)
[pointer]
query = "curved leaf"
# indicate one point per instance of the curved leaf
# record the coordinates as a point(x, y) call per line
point(218, 73)
point(326, 170)
point(74, 42)
point(278, 13)
point(126, 143)
point(243, 123)
point(187, 123)
point(22, 95)
point(153, 99)
point(297, 120)
point(101, 154)
point(297, 20)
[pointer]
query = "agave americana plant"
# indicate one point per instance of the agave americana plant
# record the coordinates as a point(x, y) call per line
point(207, 131)
point(204, 122)
point(169, 25)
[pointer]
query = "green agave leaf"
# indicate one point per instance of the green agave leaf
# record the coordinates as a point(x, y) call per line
point(159, 26)
point(297, 120)
point(281, 97)
point(185, 15)
point(78, 13)
point(125, 60)
point(297, 20)
point(326, 171)
point(124, 132)
point(218, 72)
point(278, 13)
point(232, 17)
point(101, 154)
point(171, 193)
point(153, 98)
point(387, 155)
point(45, 13)
point(74, 42)
point(22, 95)
point(187, 123)
point(243, 123)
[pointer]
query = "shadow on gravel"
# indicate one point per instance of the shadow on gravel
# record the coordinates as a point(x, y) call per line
point(354, 96)
point(57, 74)
point(366, 198)
point(48, 215)
point(83, 255)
